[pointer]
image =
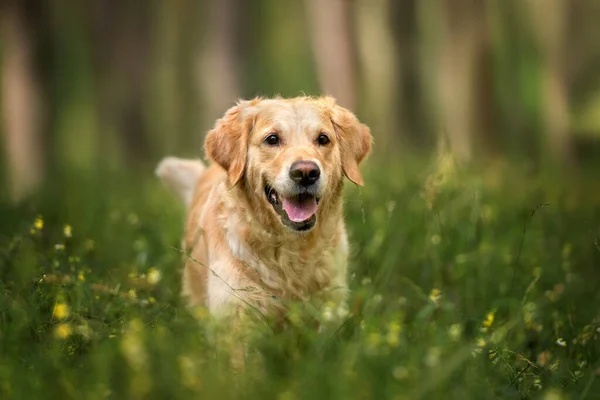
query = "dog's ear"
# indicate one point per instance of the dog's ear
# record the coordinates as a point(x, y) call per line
point(355, 140)
point(181, 176)
point(227, 143)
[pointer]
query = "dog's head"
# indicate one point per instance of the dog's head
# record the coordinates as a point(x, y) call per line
point(290, 154)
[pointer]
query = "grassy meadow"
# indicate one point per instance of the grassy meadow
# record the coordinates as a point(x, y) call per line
point(466, 284)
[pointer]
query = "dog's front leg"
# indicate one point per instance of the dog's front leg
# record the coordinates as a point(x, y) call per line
point(236, 308)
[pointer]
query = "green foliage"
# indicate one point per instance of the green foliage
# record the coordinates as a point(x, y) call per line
point(464, 285)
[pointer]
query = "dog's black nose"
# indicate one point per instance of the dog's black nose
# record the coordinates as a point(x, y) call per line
point(305, 173)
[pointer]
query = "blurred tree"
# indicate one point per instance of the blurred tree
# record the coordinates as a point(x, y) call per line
point(549, 25)
point(27, 43)
point(218, 61)
point(120, 34)
point(464, 88)
point(416, 116)
point(379, 69)
point(581, 65)
point(582, 53)
point(279, 57)
point(104, 80)
point(333, 48)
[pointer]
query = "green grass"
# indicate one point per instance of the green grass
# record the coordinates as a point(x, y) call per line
point(474, 285)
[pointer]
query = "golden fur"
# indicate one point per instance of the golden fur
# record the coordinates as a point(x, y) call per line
point(233, 230)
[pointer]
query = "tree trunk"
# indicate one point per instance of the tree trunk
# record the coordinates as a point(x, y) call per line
point(549, 26)
point(461, 56)
point(22, 102)
point(217, 63)
point(379, 68)
point(332, 45)
point(120, 33)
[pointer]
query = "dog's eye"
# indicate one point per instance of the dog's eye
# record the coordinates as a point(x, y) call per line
point(272, 140)
point(323, 139)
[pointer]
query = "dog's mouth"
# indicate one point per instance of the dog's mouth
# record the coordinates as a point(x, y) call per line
point(298, 212)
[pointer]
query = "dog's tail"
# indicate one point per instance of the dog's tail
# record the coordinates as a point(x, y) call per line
point(181, 175)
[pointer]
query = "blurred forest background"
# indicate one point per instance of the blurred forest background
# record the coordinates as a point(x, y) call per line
point(89, 85)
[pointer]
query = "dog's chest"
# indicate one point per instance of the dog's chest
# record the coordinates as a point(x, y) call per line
point(291, 270)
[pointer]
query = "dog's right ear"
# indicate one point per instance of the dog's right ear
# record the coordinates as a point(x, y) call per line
point(181, 176)
point(227, 143)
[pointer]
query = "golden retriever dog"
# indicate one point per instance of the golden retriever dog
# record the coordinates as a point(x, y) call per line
point(264, 221)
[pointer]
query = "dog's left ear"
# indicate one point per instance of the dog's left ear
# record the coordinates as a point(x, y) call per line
point(227, 143)
point(355, 140)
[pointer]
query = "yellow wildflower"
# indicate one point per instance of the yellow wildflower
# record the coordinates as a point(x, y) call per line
point(132, 294)
point(68, 231)
point(61, 311)
point(561, 342)
point(154, 276)
point(489, 320)
point(59, 247)
point(63, 331)
point(81, 276)
point(39, 224)
point(481, 342)
point(435, 295)
point(455, 331)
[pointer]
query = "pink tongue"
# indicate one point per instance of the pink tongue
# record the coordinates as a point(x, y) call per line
point(299, 210)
